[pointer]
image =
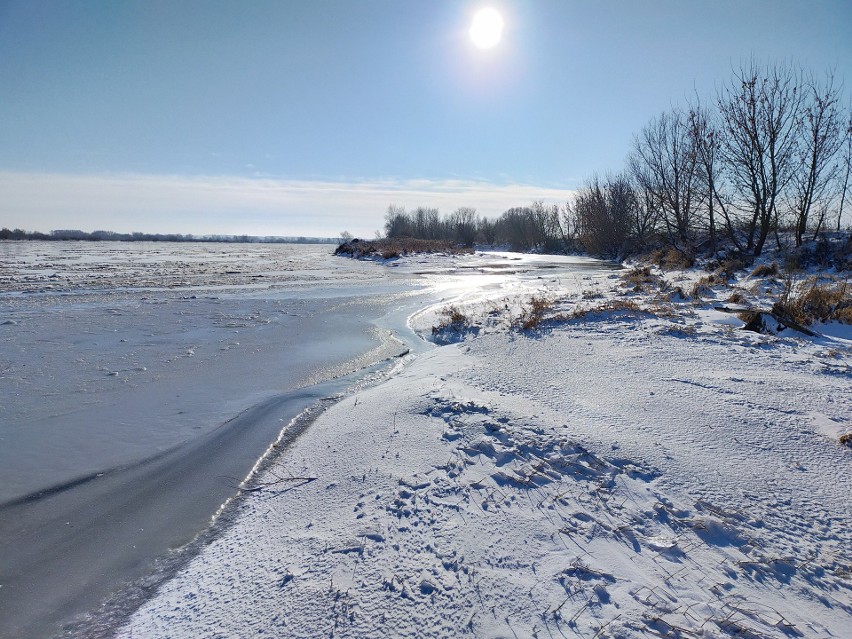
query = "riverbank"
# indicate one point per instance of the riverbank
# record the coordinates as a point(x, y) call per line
point(139, 386)
point(602, 457)
point(142, 383)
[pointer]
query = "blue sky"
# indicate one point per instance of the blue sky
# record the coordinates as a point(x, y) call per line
point(310, 117)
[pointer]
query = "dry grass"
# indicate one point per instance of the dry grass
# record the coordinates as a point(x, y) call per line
point(721, 275)
point(537, 311)
point(736, 298)
point(534, 313)
point(677, 294)
point(846, 439)
point(665, 311)
point(395, 247)
point(765, 270)
point(702, 287)
point(721, 272)
point(639, 278)
point(607, 307)
point(452, 318)
point(671, 258)
point(814, 302)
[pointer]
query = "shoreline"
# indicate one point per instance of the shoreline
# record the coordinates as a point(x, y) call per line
point(120, 605)
point(141, 513)
point(169, 402)
point(613, 473)
point(127, 361)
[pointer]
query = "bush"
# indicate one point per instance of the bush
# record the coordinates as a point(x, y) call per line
point(843, 255)
point(823, 252)
point(826, 252)
point(452, 318)
point(765, 270)
point(796, 260)
point(533, 314)
point(816, 302)
point(395, 247)
point(672, 258)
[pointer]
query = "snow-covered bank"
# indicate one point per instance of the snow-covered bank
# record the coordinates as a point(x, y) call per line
point(623, 473)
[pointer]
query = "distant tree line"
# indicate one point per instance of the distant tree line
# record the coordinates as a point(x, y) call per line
point(111, 236)
point(767, 160)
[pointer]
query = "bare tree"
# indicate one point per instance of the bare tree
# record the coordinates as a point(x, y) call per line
point(705, 141)
point(846, 165)
point(820, 127)
point(550, 236)
point(665, 165)
point(486, 230)
point(568, 225)
point(463, 224)
point(602, 212)
point(398, 222)
point(427, 223)
point(624, 207)
point(517, 228)
point(759, 110)
point(647, 214)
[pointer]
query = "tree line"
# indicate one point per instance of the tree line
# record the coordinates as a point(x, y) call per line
point(112, 236)
point(766, 160)
point(539, 227)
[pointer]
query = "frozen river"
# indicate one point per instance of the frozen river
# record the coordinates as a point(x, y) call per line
point(140, 383)
point(116, 352)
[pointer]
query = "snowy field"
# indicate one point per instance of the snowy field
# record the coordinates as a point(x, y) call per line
point(631, 465)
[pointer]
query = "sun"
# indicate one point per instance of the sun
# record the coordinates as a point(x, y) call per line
point(487, 28)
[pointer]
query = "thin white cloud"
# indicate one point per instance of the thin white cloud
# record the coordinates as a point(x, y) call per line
point(225, 204)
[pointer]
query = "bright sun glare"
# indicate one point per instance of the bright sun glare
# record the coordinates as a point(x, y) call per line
point(487, 28)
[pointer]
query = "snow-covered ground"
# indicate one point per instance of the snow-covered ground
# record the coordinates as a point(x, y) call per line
point(633, 465)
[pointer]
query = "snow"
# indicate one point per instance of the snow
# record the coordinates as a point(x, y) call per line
point(128, 366)
point(614, 473)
